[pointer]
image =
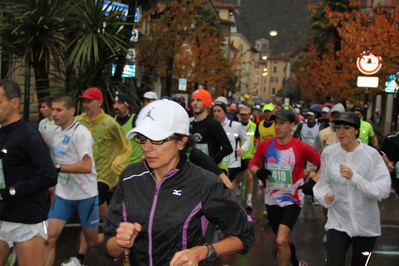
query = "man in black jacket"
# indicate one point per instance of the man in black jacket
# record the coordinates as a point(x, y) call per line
point(26, 173)
point(208, 133)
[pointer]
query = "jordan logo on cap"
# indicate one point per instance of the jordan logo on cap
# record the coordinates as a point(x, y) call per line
point(149, 114)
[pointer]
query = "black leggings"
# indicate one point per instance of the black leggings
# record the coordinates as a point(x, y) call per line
point(338, 244)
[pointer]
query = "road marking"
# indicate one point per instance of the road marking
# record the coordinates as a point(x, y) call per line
point(390, 226)
point(395, 253)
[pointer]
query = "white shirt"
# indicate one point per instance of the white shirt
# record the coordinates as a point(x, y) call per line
point(46, 128)
point(309, 134)
point(70, 145)
point(355, 206)
point(235, 131)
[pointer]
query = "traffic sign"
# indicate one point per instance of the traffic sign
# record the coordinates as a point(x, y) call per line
point(392, 86)
point(368, 63)
point(137, 15)
point(108, 6)
point(135, 35)
point(131, 54)
point(182, 84)
point(367, 82)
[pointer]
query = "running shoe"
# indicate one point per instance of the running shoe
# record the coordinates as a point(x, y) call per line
point(73, 261)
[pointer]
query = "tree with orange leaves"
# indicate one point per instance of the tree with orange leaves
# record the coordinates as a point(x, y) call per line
point(181, 43)
point(334, 73)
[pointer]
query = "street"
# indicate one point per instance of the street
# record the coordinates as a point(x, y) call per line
point(307, 236)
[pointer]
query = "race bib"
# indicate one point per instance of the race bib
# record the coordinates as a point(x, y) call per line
point(203, 147)
point(226, 159)
point(64, 179)
point(281, 177)
point(397, 169)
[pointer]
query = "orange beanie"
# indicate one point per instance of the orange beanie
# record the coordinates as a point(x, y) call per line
point(204, 96)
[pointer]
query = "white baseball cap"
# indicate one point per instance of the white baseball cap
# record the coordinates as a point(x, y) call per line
point(150, 95)
point(161, 119)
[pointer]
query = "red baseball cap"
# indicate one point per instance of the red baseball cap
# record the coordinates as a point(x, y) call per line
point(92, 94)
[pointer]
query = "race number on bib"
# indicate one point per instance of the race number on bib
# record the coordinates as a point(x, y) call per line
point(64, 179)
point(281, 177)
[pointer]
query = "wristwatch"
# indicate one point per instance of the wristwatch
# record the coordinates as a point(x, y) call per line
point(211, 255)
point(12, 191)
point(58, 167)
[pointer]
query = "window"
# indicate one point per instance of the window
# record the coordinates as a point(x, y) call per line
point(273, 90)
point(274, 80)
point(275, 69)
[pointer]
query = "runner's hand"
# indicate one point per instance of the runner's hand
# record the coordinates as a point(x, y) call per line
point(263, 173)
point(329, 198)
point(345, 171)
point(127, 233)
point(191, 256)
point(307, 188)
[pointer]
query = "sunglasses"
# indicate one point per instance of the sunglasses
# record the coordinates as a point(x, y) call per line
point(140, 139)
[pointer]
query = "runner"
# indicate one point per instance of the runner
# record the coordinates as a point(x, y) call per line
point(236, 134)
point(250, 128)
point(77, 177)
point(208, 133)
point(26, 173)
point(148, 97)
point(390, 152)
point(265, 130)
point(353, 179)
point(111, 153)
point(280, 161)
point(366, 129)
point(159, 207)
point(327, 136)
point(125, 117)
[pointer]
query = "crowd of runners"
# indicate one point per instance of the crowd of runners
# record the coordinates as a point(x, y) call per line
point(174, 169)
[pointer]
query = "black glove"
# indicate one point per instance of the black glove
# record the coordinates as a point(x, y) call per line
point(307, 188)
point(4, 194)
point(263, 173)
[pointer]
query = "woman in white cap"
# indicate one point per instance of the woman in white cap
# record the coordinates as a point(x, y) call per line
point(159, 207)
point(353, 179)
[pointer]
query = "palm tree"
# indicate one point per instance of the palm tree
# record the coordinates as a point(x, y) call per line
point(71, 42)
point(32, 31)
point(95, 42)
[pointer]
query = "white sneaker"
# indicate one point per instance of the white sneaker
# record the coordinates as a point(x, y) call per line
point(73, 261)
